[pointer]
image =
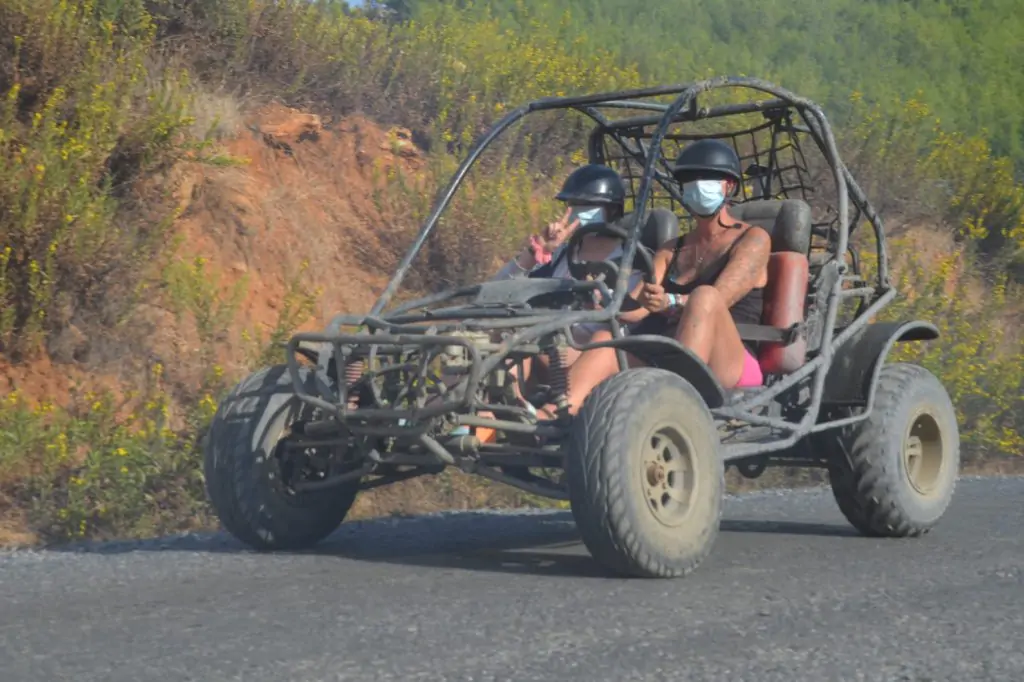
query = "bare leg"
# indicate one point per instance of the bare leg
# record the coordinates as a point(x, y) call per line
point(527, 378)
point(589, 369)
point(706, 327)
point(541, 364)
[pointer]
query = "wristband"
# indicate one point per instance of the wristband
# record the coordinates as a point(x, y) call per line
point(672, 300)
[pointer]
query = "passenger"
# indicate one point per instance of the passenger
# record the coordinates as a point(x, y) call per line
point(706, 282)
point(593, 194)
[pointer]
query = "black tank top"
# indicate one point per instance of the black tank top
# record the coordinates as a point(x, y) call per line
point(747, 310)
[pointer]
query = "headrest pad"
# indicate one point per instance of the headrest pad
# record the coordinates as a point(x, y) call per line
point(788, 221)
point(661, 226)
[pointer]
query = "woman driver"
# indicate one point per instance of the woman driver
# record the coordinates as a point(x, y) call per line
point(705, 282)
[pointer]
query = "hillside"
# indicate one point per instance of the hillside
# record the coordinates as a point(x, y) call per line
point(184, 183)
point(963, 59)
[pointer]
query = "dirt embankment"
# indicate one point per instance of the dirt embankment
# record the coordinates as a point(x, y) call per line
point(295, 189)
point(298, 190)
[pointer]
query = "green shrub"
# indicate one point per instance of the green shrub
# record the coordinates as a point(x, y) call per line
point(78, 124)
point(955, 186)
point(89, 472)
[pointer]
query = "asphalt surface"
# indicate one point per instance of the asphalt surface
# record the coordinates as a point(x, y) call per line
point(790, 593)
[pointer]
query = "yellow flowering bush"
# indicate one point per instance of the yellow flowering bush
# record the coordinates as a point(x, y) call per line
point(978, 357)
point(88, 471)
point(79, 121)
point(914, 170)
point(920, 175)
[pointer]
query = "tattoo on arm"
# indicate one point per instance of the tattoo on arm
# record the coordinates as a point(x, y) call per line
point(747, 266)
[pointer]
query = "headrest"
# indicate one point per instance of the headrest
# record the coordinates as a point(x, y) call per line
point(661, 226)
point(788, 221)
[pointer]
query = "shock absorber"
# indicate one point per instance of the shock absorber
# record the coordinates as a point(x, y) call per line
point(353, 372)
point(559, 374)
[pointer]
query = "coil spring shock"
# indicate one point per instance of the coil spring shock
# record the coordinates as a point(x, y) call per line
point(559, 375)
point(353, 372)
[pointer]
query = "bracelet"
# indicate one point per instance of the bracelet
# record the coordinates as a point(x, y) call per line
point(673, 301)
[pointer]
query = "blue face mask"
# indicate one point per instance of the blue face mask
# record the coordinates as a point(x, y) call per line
point(703, 197)
point(587, 215)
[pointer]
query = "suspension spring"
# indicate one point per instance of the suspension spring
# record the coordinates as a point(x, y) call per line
point(559, 375)
point(353, 372)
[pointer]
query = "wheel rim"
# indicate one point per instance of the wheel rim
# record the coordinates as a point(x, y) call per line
point(923, 454)
point(668, 476)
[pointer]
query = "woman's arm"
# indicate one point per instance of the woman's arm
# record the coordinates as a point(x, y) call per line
point(661, 264)
point(747, 267)
point(547, 242)
point(519, 266)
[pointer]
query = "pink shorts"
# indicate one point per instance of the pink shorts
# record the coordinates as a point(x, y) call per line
point(751, 374)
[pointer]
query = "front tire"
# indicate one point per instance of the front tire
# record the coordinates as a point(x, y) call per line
point(893, 474)
point(645, 474)
point(244, 474)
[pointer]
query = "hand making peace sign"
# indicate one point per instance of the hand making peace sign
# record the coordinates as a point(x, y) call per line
point(552, 236)
point(558, 231)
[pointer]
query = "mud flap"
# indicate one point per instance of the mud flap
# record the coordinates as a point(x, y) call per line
point(853, 374)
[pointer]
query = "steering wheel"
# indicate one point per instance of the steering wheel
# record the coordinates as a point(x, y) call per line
point(609, 271)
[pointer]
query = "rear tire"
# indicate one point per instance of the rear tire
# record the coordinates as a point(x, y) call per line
point(244, 479)
point(645, 474)
point(893, 474)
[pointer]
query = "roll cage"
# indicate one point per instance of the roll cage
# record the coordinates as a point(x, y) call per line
point(395, 353)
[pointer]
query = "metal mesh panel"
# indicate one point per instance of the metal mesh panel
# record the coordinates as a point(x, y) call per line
point(770, 153)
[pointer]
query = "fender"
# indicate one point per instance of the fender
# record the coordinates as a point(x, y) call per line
point(666, 353)
point(853, 375)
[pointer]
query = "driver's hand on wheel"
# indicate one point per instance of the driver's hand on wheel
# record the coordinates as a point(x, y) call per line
point(653, 298)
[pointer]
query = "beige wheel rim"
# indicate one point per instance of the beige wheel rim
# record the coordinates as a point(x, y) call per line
point(924, 454)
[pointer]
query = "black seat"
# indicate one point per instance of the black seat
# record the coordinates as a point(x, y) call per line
point(661, 226)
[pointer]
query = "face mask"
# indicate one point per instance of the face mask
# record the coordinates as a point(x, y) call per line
point(587, 215)
point(703, 197)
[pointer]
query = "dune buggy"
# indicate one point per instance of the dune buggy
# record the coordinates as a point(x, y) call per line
point(390, 395)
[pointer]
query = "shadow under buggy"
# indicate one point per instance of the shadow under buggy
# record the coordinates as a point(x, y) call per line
point(378, 398)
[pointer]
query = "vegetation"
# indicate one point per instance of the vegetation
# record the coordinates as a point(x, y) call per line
point(99, 100)
point(960, 193)
point(957, 52)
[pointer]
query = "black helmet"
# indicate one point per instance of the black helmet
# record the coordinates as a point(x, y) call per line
point(707, 158)
point(593, 184)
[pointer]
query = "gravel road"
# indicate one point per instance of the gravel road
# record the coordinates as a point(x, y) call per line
point(790, 593)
